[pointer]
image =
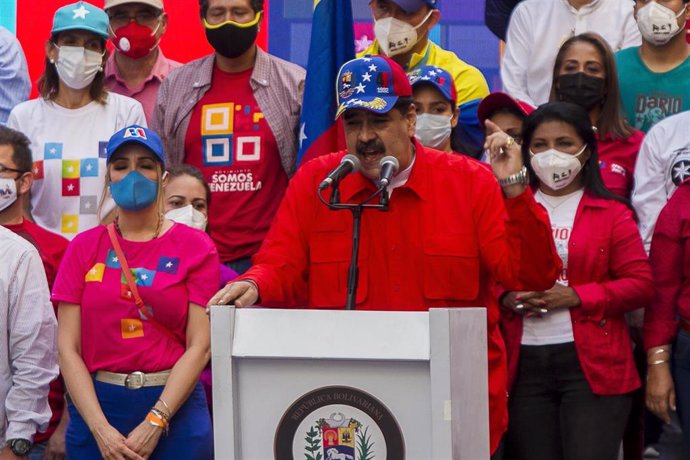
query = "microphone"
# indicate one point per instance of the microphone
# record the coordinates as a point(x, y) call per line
point(349, 164)
point(389, 165)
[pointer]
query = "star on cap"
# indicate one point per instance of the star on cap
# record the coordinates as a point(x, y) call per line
point(80, 12)
point(366, 77)
point(360, 88)
point(373, 68)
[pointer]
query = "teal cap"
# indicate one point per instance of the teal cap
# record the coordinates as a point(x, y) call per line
point(81, 16)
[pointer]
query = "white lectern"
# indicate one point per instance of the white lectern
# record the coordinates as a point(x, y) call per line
point(349, 385)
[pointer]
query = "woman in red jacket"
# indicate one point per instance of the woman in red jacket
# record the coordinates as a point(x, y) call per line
point(569, 352)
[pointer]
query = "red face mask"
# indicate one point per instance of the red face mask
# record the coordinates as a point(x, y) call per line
point(134, 40)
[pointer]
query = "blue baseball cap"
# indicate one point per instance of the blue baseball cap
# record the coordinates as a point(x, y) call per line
point(438, 77)
point(138, 135)
point(371, 82)
point(410, 6)
point(81, 16)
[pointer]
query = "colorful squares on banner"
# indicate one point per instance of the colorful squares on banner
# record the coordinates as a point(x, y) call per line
point(88, 205)
point(217, 119)
point(52, 151)
point(70, 223)
point(168, 265)
point(217, 150)
point(89, 167)
point(37, 170)
point(126, 292)
point(96, 273)
point(70, 169)
point(111, 260)
point(70, 187)
point(131, 328)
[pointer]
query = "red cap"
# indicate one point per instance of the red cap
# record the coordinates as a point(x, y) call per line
point(497, 100)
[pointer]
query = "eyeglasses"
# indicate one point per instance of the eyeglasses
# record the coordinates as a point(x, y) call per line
point(144, 18)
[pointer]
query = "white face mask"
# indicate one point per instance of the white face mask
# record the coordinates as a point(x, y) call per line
point(658, 24)
point(395, 36)
point(77, 66)
point(433, 130)
point(8, 193)
point(189, 216)
point(556, 169)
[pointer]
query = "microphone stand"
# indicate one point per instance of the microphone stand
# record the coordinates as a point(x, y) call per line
point(356, 208)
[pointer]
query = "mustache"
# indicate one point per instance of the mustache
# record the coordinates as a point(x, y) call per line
point(364, 148)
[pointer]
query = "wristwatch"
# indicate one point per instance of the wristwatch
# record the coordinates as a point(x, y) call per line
point(519, 177)
point(19, 447)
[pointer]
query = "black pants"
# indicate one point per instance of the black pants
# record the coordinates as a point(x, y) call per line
point(553, 414)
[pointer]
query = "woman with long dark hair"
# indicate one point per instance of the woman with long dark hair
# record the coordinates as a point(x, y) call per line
point(569, 351)
point(585, 74)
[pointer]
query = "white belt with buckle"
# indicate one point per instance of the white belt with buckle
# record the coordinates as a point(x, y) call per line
point(135, 380)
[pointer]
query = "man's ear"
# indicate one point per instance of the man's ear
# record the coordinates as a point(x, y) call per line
point(411, 117)
point(24, 183)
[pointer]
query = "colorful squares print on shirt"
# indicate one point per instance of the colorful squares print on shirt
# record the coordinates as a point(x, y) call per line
point(131, 328)
point(70, 169)
point(70, 223)
point(168, 265)
point(111, 260)
point(126, 292)
point(217, 119)
point(37, 170)
point(217, 150)
point(88, 205)
point(142, 277)
point(103, 149)
point(95, 274)
point(70, 187)
point(52, 151)
point(88, 167)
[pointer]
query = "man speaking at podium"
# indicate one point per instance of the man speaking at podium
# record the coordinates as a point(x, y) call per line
point(448, 234)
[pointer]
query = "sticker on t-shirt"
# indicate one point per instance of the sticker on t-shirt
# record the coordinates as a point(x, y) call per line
point(37, 170)
point(168, 265)
point(70, 223)
point(95, 274)
point(132, 328)
point(52, 151)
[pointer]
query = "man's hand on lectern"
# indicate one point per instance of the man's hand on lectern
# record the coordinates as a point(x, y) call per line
point(240, 293)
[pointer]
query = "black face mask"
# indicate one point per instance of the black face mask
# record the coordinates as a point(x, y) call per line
point(230, 40)
point(581, 89)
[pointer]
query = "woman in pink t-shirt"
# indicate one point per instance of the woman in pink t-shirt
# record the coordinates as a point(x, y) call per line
point(132, 367)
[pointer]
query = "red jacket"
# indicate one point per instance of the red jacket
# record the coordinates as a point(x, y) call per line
point(617, 162)
point(445, 239)
point(609, 270)
point(670, 258)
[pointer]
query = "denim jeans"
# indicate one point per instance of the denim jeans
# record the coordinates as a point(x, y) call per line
point(190, 435)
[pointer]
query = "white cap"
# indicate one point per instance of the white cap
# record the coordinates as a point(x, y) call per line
point(154, 3)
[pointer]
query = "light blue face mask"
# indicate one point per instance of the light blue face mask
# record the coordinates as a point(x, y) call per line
point(134, 192)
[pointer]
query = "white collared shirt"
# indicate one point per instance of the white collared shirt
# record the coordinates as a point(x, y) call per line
point(28, 350)
point(538, 28)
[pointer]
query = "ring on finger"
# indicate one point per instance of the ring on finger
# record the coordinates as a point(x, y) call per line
point(509, 141)
point(519, 306)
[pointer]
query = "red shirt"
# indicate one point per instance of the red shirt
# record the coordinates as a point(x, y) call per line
point(609, 271)
point(617, 162)
point(447, 236)
point(670, 259)
point(230, 142)
point(51, 247)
